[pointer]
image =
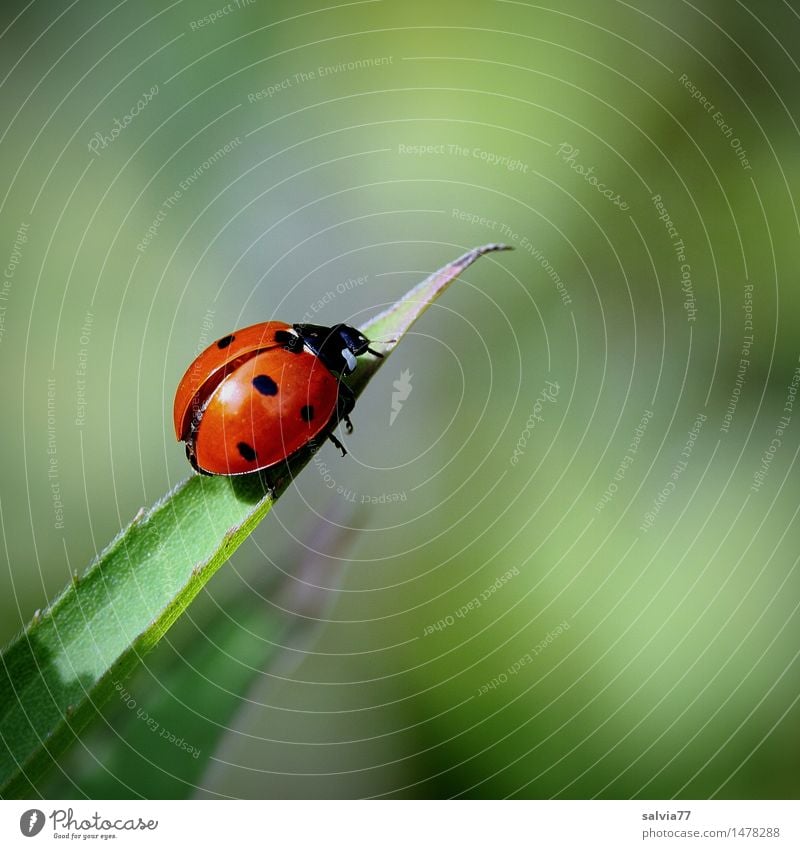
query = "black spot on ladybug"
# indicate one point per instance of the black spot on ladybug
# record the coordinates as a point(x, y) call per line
point(290, 341)
point(225, 341)
point(246, 451)
point(307, 413)
point(265, 385)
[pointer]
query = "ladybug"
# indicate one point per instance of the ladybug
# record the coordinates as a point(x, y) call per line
point(258, 396)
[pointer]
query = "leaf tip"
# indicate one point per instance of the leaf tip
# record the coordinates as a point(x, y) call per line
point(470, 256)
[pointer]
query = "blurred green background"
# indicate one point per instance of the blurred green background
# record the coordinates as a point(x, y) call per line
point(170, 173)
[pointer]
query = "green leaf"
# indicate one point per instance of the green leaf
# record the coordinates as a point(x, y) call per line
point(65, 665)
point(164, 724)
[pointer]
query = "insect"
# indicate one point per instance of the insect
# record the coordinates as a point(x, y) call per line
point(256, 397)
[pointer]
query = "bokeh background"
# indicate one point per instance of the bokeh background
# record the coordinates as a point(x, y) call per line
point(599, 436)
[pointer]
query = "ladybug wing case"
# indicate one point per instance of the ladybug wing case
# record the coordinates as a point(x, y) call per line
point(263, 412)
point(210, 367)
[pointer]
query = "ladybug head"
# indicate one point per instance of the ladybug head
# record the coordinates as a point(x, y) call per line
point(336, 346)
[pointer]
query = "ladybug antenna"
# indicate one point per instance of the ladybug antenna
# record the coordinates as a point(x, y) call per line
point(375, 353)
point(381, 342)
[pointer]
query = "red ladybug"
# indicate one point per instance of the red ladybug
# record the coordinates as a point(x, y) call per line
point(257, 396)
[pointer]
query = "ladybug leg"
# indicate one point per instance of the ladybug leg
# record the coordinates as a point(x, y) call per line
point(190, 456)
point(344, 405)
point(338, 444)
